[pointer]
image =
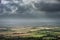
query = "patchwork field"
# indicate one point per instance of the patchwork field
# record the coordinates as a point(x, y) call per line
point(29, 32)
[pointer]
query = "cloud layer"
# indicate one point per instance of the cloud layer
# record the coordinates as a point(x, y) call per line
point(31, 8)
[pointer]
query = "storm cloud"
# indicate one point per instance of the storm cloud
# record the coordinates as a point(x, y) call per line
point(48, 7)
point(38, 12)
point(30, 8)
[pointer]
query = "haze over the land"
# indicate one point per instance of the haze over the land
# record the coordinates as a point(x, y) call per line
point(42, 10)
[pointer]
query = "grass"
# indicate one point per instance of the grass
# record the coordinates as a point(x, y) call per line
point(29, 32)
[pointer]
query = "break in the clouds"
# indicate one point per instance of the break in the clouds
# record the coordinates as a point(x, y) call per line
point(30, 8)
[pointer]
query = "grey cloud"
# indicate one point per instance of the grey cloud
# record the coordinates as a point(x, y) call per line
point(48, 7)
point(40, 9)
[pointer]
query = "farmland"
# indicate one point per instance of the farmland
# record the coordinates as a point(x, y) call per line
point(30, 33)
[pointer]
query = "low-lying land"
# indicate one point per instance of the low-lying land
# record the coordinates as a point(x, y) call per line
point(30, 33)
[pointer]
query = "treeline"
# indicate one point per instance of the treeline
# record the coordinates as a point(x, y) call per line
point(29, 38)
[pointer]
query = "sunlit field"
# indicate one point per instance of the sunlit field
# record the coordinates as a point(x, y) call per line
point(30, 33)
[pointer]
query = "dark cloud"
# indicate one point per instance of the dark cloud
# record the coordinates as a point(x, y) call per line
point(48, 7)
point(54, 15)
point(40, 9)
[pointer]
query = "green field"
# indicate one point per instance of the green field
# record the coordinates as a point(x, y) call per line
point(30, 33)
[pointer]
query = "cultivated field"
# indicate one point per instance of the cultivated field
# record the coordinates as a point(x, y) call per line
point(35, 33)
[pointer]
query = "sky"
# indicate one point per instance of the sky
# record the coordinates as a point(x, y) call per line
point(30, 9)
